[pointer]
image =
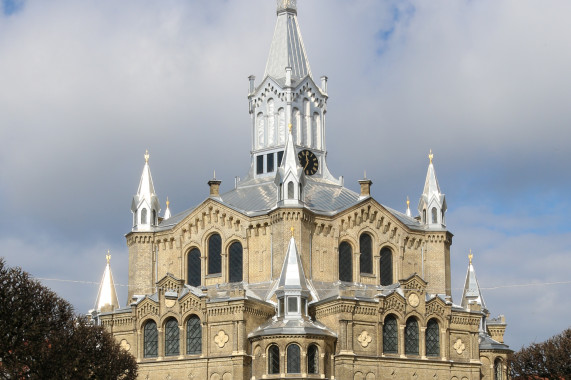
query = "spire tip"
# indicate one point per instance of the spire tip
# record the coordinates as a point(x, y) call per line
point(430, 156)
point(147, 156)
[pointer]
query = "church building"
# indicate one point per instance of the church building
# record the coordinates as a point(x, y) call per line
point(288, 274)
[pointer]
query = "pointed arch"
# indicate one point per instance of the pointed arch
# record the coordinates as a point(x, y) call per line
point(434, 215)
point(345, 262)
point(214, 254)
point(498, 369)
point(144, 216)
point(290, 190)
point(366, 256)
point(312, 359)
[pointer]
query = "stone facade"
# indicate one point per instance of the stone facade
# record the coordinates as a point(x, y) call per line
point(208, 295)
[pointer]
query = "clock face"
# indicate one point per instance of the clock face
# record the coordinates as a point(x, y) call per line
point(308, 162)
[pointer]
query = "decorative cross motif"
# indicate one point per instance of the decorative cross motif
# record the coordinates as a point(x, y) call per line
point(221, 338)
point(125, 345)
point(459, 346)
point(364, 339)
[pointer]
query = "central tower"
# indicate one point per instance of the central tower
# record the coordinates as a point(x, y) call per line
point(288, 95)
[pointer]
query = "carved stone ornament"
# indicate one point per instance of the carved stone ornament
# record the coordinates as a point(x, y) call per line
point(125, 345)
point(413, 300)
point(364, 339)
point(459, 346)
point(221, 338)
point(170, 303)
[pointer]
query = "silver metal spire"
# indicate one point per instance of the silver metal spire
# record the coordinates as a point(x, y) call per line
point(286, 5)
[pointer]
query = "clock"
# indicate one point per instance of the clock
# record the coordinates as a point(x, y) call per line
point(308, 162)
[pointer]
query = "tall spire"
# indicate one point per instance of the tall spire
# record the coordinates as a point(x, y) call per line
point(290, 178)
point(145, 206)
point(432, 205)
point(473, 294)
point(287, 48)
point(107, 296)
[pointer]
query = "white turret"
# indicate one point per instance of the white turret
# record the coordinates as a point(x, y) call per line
point(107, 296)
point(287, 95)
point(145, 206)
point(472, 293)
point(290, 178)
point(432, 204)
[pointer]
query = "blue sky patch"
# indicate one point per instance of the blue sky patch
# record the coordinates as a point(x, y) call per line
point(9, 7)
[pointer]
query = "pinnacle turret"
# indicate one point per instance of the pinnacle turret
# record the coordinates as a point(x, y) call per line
point(432, 205)
point(290, 178)
point(107, 296)
point(472, 293)
point(145, 205)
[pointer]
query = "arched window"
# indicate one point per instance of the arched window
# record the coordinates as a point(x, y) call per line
point(434, 215)
point(193, 336)
point(366, 258)
point(154, 221)
point(290, 191)
point(345, 262)
point(271, 140)
point(172, 337)
point(135, 220)
point(235, 268)
point(293, 359)
point(299, 193)
point(411, 337)
point(424, 216)
point(432, 338)
point(193, 267)
point(261, 130)
point(386, 266)
point(498, 370)
point(214, 254)
point(312, 359)
point(144, 216)
point(273, 359)
point(150, 340)
point(390, 335)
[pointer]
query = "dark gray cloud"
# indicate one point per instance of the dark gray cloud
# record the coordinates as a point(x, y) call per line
point(88, 86)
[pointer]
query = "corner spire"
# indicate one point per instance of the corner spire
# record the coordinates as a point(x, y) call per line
point(292, 276)
point(290, 178)
point(432, 205)
point(167, 211)
point(472, 291)
point(107, 296)
point(145, 205)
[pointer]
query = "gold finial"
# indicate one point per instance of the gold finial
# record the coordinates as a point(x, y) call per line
point(147, 156)
point(108, 257)
point(430, 156)
point(407, 202)
point(292, 229)
point(290, 126)
point(168, 203)
point(470, 256)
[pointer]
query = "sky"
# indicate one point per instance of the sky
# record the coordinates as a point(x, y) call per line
point(87, 86)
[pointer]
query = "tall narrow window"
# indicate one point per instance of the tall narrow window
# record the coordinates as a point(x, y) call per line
point(214, 254)
point(172, 338)
point(411, 337)
point(345, 262)
point(193, 336)
point(312, 359)
point(260, 164)
point(261, 133)
point(235, 268)
point(424, 216)
point(144, 216)
point(281, 126)
point(271, 140)
point(434, 215)
point(432, 338)
point(270, 163)
point(150, 340)
point(280, 157)
point(154, 221)
point(273, 359)
point(193, 267)
point(135, 215)
point(290, 190)
point(293, 359)
point(386, 266)
point(366, 257)
point(390, 335)
point(498, 370)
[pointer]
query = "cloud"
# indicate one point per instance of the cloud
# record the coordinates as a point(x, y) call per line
point(88, 86)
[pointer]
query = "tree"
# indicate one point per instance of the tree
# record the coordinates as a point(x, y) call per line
point(547, 360)
point(42, 338)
